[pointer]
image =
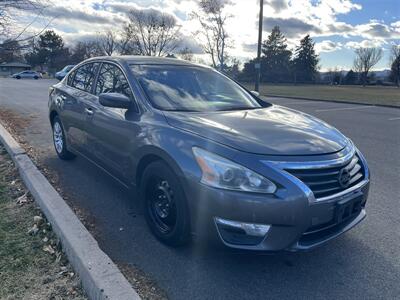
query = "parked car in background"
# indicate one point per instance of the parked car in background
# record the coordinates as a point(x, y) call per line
point(209, 157)
point(61, 74)
point(27, 74)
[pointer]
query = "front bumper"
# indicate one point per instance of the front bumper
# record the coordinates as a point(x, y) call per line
point(294, 223)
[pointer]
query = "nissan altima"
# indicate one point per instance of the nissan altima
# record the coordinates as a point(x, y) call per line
point(208, 157)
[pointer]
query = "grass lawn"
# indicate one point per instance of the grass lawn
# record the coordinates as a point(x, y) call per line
point(31, 265)
point(368, 95)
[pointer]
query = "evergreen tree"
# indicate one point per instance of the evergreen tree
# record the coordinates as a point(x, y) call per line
point(276, 57)
point(305, 62)
point(395, 65)
point(350, 78)
point(248, 74)
point(49, 50)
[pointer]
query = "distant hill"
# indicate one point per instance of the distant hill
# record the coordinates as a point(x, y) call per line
point(383, 74)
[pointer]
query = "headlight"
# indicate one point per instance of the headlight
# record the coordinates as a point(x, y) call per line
point(222, 173)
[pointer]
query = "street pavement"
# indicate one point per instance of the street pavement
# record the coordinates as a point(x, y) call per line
point(362, 264)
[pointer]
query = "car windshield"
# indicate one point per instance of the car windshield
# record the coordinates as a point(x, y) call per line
point(183, 88)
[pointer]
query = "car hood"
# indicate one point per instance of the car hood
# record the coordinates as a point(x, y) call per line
point(269, 131)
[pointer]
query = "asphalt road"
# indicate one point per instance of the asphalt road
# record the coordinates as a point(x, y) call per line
point(362, 264)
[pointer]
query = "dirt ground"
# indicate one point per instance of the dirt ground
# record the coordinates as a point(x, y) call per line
point(16, 125)
point(32, 264)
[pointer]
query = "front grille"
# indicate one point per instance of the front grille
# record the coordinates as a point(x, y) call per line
point(325, 182)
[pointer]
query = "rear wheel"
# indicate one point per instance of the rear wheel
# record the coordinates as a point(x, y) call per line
point(36, 77)
point(165, 205)
point(60, 141)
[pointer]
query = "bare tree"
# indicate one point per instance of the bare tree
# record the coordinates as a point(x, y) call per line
point(127, 46)
point(108, 42)
point(10, 52)
point(11, 9)
point(186, 54)
point(212, 19)
point(365, 59)
point(151, 32)
point(335, 76)
point(84, 50)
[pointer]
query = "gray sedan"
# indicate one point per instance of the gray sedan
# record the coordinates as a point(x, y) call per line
point(209, 157)
point(27, 74)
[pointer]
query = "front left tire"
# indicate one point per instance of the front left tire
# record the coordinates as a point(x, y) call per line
point(165, 205)
point(59, 140)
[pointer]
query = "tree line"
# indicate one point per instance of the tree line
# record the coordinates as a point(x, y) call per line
point(155, 33)
point(280, 65)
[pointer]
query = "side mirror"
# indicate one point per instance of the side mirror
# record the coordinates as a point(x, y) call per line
point(255, 93)
point(115, 100)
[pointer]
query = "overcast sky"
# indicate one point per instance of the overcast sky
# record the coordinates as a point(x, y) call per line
point(337, 26)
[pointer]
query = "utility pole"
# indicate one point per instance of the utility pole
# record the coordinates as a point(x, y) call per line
point(258, 63)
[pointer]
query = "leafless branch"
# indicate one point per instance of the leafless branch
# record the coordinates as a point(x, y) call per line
point(10, 11)
point(212, 19)
point(365, 59)
point(151, 32)
point(108, 42)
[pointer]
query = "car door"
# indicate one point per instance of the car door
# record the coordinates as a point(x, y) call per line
point(112, 132)
point(25, 74)
point(75, 100)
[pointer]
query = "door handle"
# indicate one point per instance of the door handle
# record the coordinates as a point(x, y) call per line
point(89, 111)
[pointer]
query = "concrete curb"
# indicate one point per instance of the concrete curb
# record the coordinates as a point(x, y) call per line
point(334, 101)
point(100, 277)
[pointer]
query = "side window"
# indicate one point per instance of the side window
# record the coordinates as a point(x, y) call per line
point(70, 78)
point(112, 80)
point(84, 77)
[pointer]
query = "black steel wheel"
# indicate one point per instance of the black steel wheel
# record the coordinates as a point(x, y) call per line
point(161, 205)
point(165, 205)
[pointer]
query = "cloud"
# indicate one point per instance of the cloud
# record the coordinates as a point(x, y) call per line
point(375, 29)
point(291, 27)
point(189, 42)
point(365, 44)
point(249, 47)
point(327, 46)
point(278, 5)
point(121, 7)
point(68, 13)
point(339, 28)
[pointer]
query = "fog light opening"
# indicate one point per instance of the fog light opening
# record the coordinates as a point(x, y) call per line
point(234, 232)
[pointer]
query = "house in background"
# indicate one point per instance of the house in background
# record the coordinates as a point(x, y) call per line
point(7, 69)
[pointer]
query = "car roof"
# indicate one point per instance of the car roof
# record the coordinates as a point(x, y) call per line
point(145, 60)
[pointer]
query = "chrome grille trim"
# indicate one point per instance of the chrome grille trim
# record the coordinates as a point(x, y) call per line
point(349, 152)
point(352, 158)
point(326, 181)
